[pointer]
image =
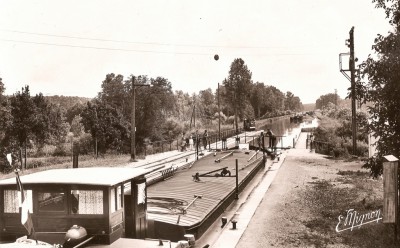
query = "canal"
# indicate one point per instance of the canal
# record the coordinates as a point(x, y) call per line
point(285, 130)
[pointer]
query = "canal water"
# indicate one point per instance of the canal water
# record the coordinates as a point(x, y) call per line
point(286, 131)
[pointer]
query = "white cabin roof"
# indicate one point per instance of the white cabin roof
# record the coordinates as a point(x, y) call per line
point(104, 176)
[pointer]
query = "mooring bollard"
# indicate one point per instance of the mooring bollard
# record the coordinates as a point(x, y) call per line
point(224, 221)
point(234, 224)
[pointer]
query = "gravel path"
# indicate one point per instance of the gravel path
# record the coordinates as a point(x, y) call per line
point(281, 218)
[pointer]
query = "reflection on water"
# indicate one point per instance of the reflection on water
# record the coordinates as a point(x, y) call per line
point(286, 131)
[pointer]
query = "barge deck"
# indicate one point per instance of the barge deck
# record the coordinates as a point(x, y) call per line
point(182, 205)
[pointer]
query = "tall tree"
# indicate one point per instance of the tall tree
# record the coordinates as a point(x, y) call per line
point(113, 91)
point(5, 125)
point(106, 125)
point(381, 87)
point(258, 97)
point(23, 113)
point(238, 85)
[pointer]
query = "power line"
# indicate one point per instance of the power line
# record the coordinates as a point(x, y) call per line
point(100, 48)
point(145, 51)
point(136, 42)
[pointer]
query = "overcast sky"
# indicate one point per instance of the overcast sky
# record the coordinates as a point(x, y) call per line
point(68, 47)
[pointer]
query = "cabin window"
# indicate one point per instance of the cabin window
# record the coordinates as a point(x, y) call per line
point(112, 200)
point(141, 193)
point(51, 201)
point(116, 199)
point(119, 197)
point(87, 201)
point(12, 201)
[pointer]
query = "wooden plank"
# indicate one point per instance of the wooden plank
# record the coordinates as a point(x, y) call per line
point(390, 172)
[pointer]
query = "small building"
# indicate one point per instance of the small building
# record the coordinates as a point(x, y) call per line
point(93, 198)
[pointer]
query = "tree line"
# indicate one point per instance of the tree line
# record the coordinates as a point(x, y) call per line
point(103, 124)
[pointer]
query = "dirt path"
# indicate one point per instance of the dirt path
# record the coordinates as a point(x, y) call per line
point(302, 206)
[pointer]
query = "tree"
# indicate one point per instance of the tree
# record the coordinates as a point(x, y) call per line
point(380, 86)
point(77, 127)
point(5, 125)
point(23, 114)
point(207, 105)
point(74, 111)
point(153, 105)
point(107, 126)
point(323, 100)
point(292, 102)
point(113, 91)
point(238, 85)
point(258, 98)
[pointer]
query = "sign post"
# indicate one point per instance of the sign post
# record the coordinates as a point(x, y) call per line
point(390, 191)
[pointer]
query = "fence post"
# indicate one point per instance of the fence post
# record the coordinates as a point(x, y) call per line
point(390, 192)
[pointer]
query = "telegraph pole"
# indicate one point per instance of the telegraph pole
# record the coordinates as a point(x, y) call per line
point(335, 99)
point(133, 124)
point(352, 79)
point(353, 90)
point(219, 117)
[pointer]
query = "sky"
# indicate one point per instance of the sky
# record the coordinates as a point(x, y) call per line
point(68, 47)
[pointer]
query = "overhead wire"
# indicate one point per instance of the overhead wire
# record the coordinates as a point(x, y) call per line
point(102, 48)
point(145, 51)
point(138, 42)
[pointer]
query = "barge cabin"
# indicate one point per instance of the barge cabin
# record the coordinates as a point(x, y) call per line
point(93, 198)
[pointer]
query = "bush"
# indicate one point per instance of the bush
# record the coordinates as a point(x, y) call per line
point(60, 151)
point(230, 120)
point(375, 165)
point(35, 164)
point(85, 144)
point(340, 152)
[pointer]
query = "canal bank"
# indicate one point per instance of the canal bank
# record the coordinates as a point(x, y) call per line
point(241, 212)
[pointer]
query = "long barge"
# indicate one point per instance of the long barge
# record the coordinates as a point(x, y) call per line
point(116, 206)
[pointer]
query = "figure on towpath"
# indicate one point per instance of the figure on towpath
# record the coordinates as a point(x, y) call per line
point(272, 138)
point(205, 139)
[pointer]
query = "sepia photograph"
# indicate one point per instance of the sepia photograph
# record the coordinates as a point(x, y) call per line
point(199, 124)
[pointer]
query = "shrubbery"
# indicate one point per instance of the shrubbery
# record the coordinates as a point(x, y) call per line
point(335, 133)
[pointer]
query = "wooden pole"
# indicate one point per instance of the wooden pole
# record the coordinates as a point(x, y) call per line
point(237, 180)
point(133, 124)
point(219, 117)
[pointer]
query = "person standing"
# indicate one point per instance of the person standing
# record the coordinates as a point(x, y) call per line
point(272, 138)
point(191, 142)
point(205, 139)
point(183, 143)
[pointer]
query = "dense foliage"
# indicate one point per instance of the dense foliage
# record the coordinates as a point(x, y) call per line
point(52, 125)
point(380, 86)
point(324, 100)
point(334, 133)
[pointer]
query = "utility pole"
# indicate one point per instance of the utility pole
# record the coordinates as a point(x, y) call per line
point(352, 79)
point(133, 124)
point(219, 117)
point(335, 99)
point(353, 90)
